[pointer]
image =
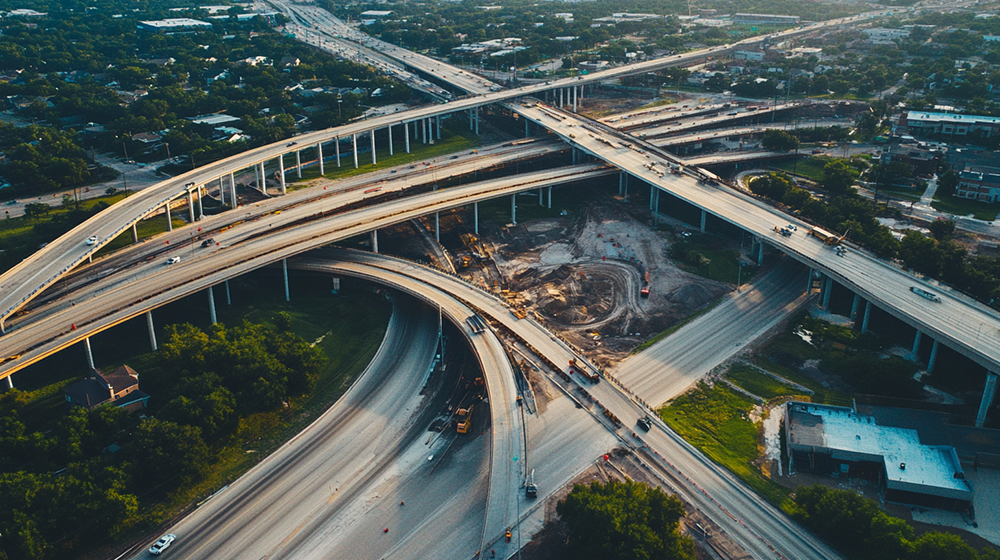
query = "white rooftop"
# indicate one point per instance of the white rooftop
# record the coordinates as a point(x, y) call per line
point(214, 119)
point(950, 117)
point(842, 429)
point(176, 22)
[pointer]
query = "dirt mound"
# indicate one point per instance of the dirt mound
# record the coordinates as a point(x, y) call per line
point(692, 295)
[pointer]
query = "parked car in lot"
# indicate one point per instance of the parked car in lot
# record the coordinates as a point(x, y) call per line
point(161, 545)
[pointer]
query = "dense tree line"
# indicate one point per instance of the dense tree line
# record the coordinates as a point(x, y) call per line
point(86, 479)
point(77, 71)
point(623, 520)
point(845, 212)
point(857, 527)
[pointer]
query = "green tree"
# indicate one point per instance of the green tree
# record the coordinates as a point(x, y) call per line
point(920, 253)
point(947, 183)
point(164, 451)
point(35, 210)
point(623, 520)
point(779, 141)
point(838, 177)
point(942, 229)
point(941, 546)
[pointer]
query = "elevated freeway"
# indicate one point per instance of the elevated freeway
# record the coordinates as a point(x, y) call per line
point(952, 318)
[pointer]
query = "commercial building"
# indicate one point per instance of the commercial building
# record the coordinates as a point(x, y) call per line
point(172, 24)
point(749, 55)
point(840, 442)
point(950, 123)
point(885, 35)
point(765, 18)
point(979, 182)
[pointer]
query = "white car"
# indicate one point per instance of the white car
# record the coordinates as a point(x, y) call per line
point(92, 240)
point(162, 544)
point(173, 260)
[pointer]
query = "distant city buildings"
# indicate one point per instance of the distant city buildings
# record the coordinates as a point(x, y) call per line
point(751, 19)
point(950, 123)
point(979, 182)
point(172, 24)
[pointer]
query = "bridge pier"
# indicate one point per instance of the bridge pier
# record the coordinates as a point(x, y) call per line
point(336, 147)
point(170, 224)
point(298, 163)
point(374, 239)
point(760, 252)
point(475, 216)
point(989, 392)
point(389, 131)
point(527, 133)
point(513, 209)
point(868, 313)
point(10, 381)
point(373, 148)
point(437, 128)
point(470, 118)
point(652, 195)
point(263, 179)
point(284, 272)
point(621, 182)
point(656, 203)
point(916, 345)
point(135, 234)
point(152, 332)
point(477, 121)
point(319, 148)
point(89, 352)
point(704, 219)
point(211, 305)
point(574, 99)
point(854, 307)
point(626, 186)
point(354, 145)
point(229, 300)
point(201, 203)
point(406, 134)
point(561, 97)
point(933, 360)
point(423, 129)
point(190, 205)
point(232, 190)
point(550, 198)
point(809, 282)
point(281, 172)
point(827, 290)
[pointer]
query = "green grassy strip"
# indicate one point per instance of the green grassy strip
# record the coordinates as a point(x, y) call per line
point(811, 167)
point(715, 420)
point(757, 383)
point(963, 207)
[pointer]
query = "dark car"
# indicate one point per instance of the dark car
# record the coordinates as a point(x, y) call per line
point(208, 242)
point(645, 423)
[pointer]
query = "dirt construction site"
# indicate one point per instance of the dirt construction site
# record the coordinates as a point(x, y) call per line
point(581, 274)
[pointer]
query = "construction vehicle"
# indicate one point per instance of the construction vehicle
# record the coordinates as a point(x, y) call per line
point(584, 371)
point(925, 294)
point(466, 261)
point(463, 417)
point(644, 292)
point(827, 237)
point(519, 312)
point(531, 489)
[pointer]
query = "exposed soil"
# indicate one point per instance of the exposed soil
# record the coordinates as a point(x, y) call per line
point(583, 278)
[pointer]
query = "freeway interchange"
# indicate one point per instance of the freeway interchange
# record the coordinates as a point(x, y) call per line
point(136, 280)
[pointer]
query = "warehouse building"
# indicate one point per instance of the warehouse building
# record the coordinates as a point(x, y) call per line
point(840, 442)
point(172, 24)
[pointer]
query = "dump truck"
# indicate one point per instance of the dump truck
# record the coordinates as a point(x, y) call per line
point(584, 371)
point(463, 417)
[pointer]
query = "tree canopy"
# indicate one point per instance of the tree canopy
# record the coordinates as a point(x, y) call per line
point(624, 520)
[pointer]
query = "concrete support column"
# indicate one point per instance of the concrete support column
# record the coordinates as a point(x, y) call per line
point(170, 223)
point(477, 121)
point(256, 172)
point(191, 206)
point(526, 132)
point(336, 145)
point(827, 290)
point(406, 135)
point(561, 97)
point(319, 148)
point(854, 307)
point(10, 381)
point(354, 144)
point(933, 360)
point(152, 332)
point(513, 209)
point(475, 216)
point(298, 163)
point(201, 204)
point(90, 353)
point(541, 197)
point(373, 148)
point(574, 99)
point(388, 130)
point(263, 179)
point(916, 344)
point(135, 234)
point(809, 283)
point(550, 198)
point(211, 306)
point(284, 272)
point(229, 299)
point(652, 194)
point(281, 172)
point(374, 238)
point(656, 205)
point(470, 118)
point(423, 129)
point(989, 392)
point(621, 182)
point(626, 186)
point(704, 219)
point(232, 190)
point(868, 313)
point(437, 127)
point(760, 252)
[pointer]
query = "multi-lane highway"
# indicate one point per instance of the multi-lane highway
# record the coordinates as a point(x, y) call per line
point(953, 319)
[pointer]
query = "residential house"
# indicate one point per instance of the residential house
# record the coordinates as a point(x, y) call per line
point(119, 388)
